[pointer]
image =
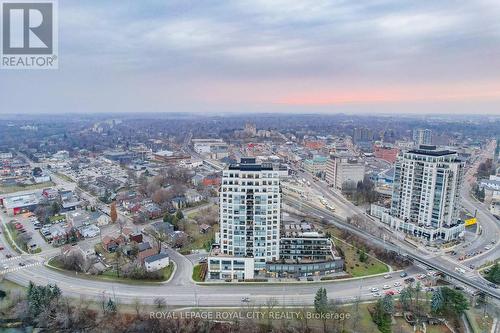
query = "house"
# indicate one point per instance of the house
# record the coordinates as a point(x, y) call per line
point(89, 231)
point(156, 262)
point(146, 253)
point(109, 244)
point(58, 234)
point(136, 237)
point(152, 210)
point(179, 202)
point(192, 196)
point(79, 218)
point(144, 246)
point(197, 179)
point(163, 227)
point(204, 228)
point(103, 219)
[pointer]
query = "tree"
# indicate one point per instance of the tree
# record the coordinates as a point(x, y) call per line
point(179, 215)
point(437, 301)
point(363, 257)
point(159, 302)
point(493, 274)
point(388, 304)
point(321, 304)
point(112, 213)
point(381, 318)
point(167, 218)
point(449, 302)
point(406, 298)
point(55, 208)
point(454, 303)
point(111, 306)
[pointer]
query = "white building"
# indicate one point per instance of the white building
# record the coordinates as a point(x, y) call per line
point(156, 262)
point(206, 146)
point(344, 171)
point(422, 137)
point(250, 202)
point(426, 194)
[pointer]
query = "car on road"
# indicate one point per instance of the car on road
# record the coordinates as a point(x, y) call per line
point(403, 274)
point(5, 266)
point(487, 247)
point(374, 290)
point(22, 264)
point(492, 285)
point(245, 299)
point(387, 276)
point(377, 295)
point(8, 255)
point(397, 284)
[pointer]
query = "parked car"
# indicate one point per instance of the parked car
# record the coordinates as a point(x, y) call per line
point(409, 280)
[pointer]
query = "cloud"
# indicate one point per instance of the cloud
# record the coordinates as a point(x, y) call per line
point(263, 51)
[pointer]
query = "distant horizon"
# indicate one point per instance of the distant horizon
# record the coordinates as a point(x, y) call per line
point(297, 56)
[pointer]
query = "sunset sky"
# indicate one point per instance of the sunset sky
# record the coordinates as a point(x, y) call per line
point(267, 56)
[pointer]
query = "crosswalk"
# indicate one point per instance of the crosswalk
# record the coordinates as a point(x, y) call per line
point(17, 268)
point(5, 260)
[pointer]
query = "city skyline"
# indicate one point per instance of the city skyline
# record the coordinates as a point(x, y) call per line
point(300, 57)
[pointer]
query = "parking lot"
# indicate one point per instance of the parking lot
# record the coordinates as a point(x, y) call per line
point(24, 223)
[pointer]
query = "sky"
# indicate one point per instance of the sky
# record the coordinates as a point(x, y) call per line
point(316, 56)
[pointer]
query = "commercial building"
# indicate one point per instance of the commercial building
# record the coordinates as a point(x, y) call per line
point(426, 195)
point(385, 152)
point(316, 165)
point(422, 137)
point(19, 204)
point(207, 146)
point(344, 171)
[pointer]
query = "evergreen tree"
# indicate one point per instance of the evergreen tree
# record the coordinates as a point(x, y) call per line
point(111, 306)
point(437, 301)
point(179, 215)
point(388, 304)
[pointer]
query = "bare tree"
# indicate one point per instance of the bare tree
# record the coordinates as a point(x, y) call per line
point(159, 302)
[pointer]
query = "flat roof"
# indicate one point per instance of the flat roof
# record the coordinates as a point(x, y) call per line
point(431, 151)
point(155, 257)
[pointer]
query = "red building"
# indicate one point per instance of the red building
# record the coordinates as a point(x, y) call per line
point(211, 180)
point(385, 152)
point(314, 144)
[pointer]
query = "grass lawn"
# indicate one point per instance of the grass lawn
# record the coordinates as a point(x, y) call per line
point(63, 176)
point(197, 273)
point(353, 265)
point(9, 287)
point(17, 188)
point(198, 240)
point(56, 218)
point(110, 274)
point(13, 233)
point(357, 268)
